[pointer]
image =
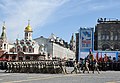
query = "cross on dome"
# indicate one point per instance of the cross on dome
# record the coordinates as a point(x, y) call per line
point(28, 28)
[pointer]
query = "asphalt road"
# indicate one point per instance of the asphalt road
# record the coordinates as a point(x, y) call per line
point(103, 77)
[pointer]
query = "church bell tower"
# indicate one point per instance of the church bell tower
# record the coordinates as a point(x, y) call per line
point(3, 39)
point(28, 32)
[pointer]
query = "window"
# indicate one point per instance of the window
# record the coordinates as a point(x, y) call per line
point(33, 49)
point(18, 48)
point(4, 46)
point(118, 33)
point(29, 34)
point(105, 35)
point(24, 49)
point(26, 34)
point(115, 35)
point(30, 50)
point(118, 36)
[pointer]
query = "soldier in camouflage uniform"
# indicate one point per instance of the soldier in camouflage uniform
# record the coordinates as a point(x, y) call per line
point(75, 67)
point(63, 67)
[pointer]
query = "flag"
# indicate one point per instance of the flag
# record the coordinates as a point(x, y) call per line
point(100, 59)
point(97, 56)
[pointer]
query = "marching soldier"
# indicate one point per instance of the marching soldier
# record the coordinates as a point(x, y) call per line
point(7, 67)
point(75, 68)
point(10, 66)
point(86, 66)
point(95, 66)
point(63, 68)
point(12, 70)
point(19, 67)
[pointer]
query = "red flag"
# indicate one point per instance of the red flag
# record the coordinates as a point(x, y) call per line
point(97, 56)
point(100, 59)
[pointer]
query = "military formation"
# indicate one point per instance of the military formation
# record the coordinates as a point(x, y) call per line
point(57, 66)
point(44, 66)
point(33, 66)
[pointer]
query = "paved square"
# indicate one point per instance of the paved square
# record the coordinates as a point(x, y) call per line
point(104, 77)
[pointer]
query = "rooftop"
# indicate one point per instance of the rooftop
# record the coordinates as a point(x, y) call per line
point(108, 20)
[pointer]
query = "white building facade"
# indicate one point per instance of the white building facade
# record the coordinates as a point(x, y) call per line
point(56, 48)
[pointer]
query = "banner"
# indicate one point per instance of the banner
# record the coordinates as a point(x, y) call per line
point(86, 39)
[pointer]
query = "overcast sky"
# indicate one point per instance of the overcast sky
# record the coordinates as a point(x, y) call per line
point(61, 17)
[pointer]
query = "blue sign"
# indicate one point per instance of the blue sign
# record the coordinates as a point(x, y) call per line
point(86, 40)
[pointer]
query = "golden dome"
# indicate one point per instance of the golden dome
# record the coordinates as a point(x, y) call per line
point(28, 28)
